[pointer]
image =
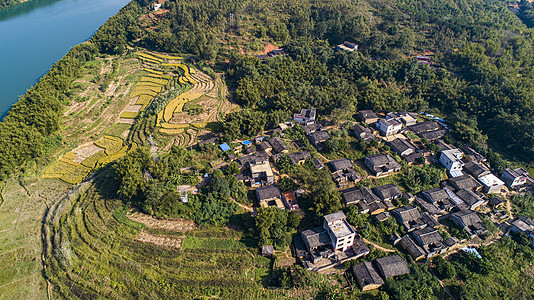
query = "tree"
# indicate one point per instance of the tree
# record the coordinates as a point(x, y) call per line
point(233, 168)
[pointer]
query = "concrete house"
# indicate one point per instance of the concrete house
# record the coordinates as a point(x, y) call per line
point(388, 127)
point(290, 201)
point(305, 116)
point(368, 116)
point(347, 46)
point(452, 161)
point(514, 177)
point(382, 164)
point(491, 183)
point(261, 172)
point(339, 230)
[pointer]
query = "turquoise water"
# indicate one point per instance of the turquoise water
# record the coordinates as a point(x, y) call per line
point(36, 34)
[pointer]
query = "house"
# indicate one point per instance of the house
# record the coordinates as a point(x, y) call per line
point(260, 156)
point(391, 266)
point(409, 245)
point(269, 196)
point(261, 172)
point(318, 164)
point(491, 183)
point(430, 239)
point(305, 116)
point(359, 248)
point(347, 46)
point(468, 220)
point(318, 137)
point(376, 208)
point(266, 146)
point(388, 192)
point(341, 164)
point(388, 127)
point(439, 197)
point(250, 150)
point(382, 164)
point(311, 128)
point(430, 207)
point(316, 240)
point(433, 135)
point(429, 220)
point(414, 157)
point(410, 217)
point(464, 182)
point(299, 158)
point(381, 217)
point(341, 178)
point(452, 161)
point(353, 196)
point(404, 117)
point(363, 133)
point(424, 127)
point(472, 200)
point(496, 203)
point(476, 169)
point(368, 116)
point(278, 145)
point(339, 230)
point(514, 178)
point(277, 52)
point(267, 251)
point(525, 225)
point(402, 147)
point(290, 200)
point(366, 276)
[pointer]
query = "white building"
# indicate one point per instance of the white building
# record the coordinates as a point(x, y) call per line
point(491, 183)
point(305, 116)
point(514, 177)
point(340, 232)
point(388, 127)
point(452, 160)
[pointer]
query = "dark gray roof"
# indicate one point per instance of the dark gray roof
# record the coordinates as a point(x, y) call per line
point(335, 216)
point(341, 164)
point(407, 213)
point(408, 244)
point(359, 247)
point(435, 194)
point(366, 275)
point(300, 247)
point(250, 150)
point(463, 182)
point(433, 135)
point(255, 157)
point(319, 136)
point(429, 220)
point(312, 128)
point(362, 132)
point(318, 164)
point(352, 196)
point(410, 158)
point(426, 206)
point(476, 169)
point(268, 192)
point(469, 197)
point(388, 191)
point(424, 127)
point(400, 145)
point(316, 237)
point(468, 217)
point(495, 201)
point(381, 217)
point(367, 114)
point(428, 236)
point(382, 161)
point(524, 224)
point(298, 156)
point(375, 206)
point(265, 145)
point(278, 144)
point(391, 266)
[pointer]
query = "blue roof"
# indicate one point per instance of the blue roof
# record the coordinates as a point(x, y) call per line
point(224, 147)
point(246, 143)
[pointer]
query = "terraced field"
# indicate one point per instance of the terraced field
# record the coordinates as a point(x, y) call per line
point(95, 251)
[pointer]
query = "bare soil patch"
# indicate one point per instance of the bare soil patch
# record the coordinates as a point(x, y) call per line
point(178, 225)
point(85, 151)
point(160, 240)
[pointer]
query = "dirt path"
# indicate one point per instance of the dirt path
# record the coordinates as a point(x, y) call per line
point(246, 208)
point(172, 225)
point(379, 247)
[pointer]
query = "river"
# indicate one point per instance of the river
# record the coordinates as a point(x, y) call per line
point(36, 34)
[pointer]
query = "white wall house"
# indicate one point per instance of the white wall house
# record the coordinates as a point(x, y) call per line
point(340, 232)
point(388, 127)
point(452, 160)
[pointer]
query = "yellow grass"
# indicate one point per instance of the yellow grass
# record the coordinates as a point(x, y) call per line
point(150, 60)
point(183, 67)
point(168, 56)
point(154, 80)
point(128, 115)
point(181, 80)
point(144, 99)
point(106, 160)
point(148, 56)
point(144, 92)
point(76, 174)
point(69, 156)
point(91, 161)
point(198, 125)
point(160, 117)
point(112, 144)
point(160, 76)
point(171, 106)
point(171, 131)
point(68, 161)
point(174, 126)
point(153, 71)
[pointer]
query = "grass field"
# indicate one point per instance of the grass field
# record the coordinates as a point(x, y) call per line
point(95, 255)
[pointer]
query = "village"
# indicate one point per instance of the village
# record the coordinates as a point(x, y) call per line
point(470, 193)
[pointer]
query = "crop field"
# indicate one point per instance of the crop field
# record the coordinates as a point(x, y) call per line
point(110, 143)
point(94, 254)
